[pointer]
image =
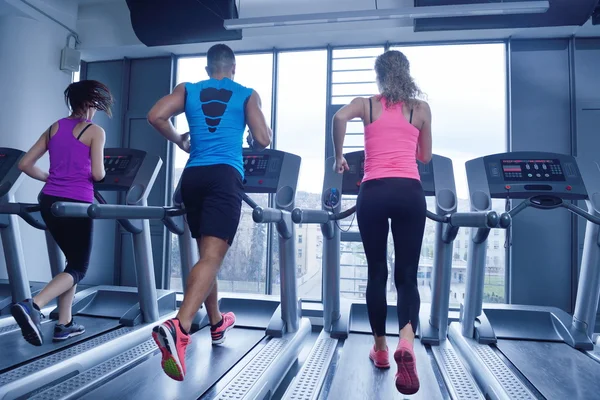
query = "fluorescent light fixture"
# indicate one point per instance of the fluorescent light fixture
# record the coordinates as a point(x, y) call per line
point(460, 10)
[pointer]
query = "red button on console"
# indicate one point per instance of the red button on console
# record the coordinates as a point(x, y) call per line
point(260, 182)
point(507, 187)
point(569, 187)
point(358, 183)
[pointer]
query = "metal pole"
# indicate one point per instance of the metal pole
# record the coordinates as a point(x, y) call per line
point(442, 275)
point(55, 254)
point(13, 255)
point(290, 309)
point(144, 267)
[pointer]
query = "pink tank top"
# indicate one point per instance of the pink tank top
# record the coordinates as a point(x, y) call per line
point(391, 146)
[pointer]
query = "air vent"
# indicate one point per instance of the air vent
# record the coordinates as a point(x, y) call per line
point(163, 23)
point(561, 13)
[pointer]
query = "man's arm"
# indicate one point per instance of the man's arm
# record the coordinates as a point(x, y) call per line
point(166, 108)
point(259, 130)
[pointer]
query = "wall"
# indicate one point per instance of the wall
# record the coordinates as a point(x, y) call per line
point(587, 83)
point(136, 85)
point(32, 85)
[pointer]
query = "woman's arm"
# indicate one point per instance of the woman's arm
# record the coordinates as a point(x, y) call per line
point(424, 148)
point(27, 163)
point(347, 113)
point(97, 152)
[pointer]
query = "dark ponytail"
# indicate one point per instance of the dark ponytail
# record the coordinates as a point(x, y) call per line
point(79, 96)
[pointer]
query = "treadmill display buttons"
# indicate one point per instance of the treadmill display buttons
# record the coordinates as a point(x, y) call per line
point(256, 165)
point(532, 170)
point(116, 164)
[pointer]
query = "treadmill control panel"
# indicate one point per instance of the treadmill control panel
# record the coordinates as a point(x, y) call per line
point(116, 164)
point(268, 170)
point(121, 166)
point(352, 178)
point(9, 168)
point(521, 175)
point(532, 170)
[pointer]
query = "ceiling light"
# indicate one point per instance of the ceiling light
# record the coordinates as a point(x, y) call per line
point(461, 10)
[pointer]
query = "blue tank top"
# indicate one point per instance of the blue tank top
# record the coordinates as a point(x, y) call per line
point(215, 111)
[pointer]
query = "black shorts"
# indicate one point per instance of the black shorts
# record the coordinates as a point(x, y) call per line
point(212, 196)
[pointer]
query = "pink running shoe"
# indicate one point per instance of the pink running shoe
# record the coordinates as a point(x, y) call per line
point(172, 342)
point(407, 381)
point(217, 332)
point(380, 358)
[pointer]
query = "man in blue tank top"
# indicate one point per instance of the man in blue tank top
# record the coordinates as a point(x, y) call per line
point(217, 111)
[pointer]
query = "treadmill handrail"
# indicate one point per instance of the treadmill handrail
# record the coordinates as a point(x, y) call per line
point(116, 211)
point(488, 219)
point(25, 211)
point(300, 215)
point(249, 201)
point(474, 219)
point(80, 210)
point(262, 215)
point(571, 207)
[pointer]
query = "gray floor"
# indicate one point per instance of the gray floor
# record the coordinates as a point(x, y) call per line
point(15, 350)
point(205, 365)
point(357, 379)
point(555, 369)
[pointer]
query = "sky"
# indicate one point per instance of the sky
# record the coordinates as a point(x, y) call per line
point(465, 86)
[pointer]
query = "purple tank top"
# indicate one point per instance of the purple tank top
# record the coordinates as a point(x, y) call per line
point(70, 174)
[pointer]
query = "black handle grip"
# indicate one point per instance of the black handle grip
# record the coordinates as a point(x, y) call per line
point(265, 215)
point(310, 216)
point(488, 219)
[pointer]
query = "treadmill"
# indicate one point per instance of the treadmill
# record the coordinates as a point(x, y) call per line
point(528, 352)
point(267, 338)
point(18, 286)
point(116, 318)
point(338, 365)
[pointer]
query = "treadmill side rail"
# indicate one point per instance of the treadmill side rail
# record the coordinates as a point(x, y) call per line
point(308, 382)
point(264, 373)
point(458, 379)
point(496, 380)
point(52, 369)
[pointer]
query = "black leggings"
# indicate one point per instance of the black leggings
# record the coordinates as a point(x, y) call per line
point(73, 236)
point(401, 200)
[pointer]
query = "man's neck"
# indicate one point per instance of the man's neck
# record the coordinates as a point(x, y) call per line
point(221, 76)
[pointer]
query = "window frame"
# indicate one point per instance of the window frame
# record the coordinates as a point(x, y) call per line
point(328, 140)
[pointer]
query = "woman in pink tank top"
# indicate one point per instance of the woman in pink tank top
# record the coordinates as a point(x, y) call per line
point(397, 134)
point(76, 148)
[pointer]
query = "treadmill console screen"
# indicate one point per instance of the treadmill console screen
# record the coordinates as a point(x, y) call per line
point(256, 165)
point(532, 170)
point(116, 164)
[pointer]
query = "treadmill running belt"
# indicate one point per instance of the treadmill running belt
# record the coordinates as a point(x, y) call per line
point(555, 369)
point(205, 365)
point(15, 350)
point(356, 378)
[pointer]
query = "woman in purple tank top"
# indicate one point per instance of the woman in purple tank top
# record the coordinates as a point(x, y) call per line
point(76, 149)
point(397, 134)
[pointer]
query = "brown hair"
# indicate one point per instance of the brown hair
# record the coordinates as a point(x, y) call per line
point(394, 79)
point(88, 93)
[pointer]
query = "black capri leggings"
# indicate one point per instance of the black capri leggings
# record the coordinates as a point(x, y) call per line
point(73, 236)
point(401, 200)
